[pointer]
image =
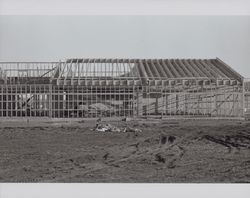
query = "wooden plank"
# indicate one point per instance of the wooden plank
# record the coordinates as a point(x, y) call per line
point(147, 68)
point(202, 68)
point(215, 69)
point(153, 69)
point(142, 69)
point(178, 68)
point(184, 68)
point(131, 69)
point(160, 69)
point(191, 62)
point(190, 67)
point(167, 70)
point(235, 74)
point(172, 69)
point(207, 69)
point(222, 69)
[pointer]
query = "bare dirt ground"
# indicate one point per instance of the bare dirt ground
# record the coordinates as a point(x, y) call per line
point(165, 151)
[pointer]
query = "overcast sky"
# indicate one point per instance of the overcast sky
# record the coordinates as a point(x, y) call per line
point(50, 38)
point(125, 7)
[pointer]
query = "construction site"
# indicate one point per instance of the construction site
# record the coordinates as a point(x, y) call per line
point(124, 120)
point(87, 88)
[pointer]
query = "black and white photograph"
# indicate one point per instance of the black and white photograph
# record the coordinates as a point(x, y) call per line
point(134, 92)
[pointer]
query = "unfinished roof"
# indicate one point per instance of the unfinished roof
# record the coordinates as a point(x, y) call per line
point(153, 68)
point(121, 71)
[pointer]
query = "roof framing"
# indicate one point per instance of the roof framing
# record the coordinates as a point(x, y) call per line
point(130, 71)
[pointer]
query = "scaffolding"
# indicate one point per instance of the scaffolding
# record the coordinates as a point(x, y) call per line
point(87, 88)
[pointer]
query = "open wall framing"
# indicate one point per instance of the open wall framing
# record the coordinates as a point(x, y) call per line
point(81, 88)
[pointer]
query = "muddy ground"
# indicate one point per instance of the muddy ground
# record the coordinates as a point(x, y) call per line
point(165, 151)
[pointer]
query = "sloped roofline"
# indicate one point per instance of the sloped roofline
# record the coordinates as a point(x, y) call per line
point(230, 68)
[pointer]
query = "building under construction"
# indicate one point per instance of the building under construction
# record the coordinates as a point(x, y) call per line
point(83, 88)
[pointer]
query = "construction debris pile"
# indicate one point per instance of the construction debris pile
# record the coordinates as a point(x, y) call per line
point(110, 128)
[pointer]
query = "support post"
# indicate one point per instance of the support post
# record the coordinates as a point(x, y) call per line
point(166, 109)
point(50, 101)
point(215, 103)
point(185, 104)
point(177, 103)
point(156, 105)
point(139, 103)
point(243, 97)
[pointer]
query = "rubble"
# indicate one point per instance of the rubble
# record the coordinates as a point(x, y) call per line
point(107, 128)
point(110, 128)
point(126, 119)
point(130, 129)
